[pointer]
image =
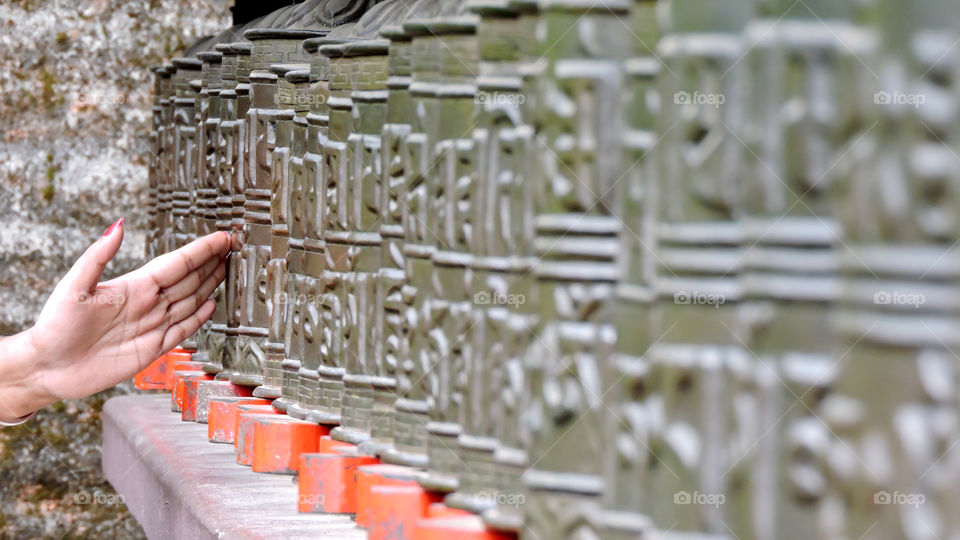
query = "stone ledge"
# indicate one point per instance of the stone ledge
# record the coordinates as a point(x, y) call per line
point(179, 485)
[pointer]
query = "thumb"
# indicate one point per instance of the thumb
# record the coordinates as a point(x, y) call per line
point(86, 272)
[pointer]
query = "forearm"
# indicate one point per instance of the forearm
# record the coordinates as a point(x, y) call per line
point(20, 390)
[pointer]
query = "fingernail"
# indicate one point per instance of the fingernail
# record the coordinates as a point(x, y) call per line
point(117, 223)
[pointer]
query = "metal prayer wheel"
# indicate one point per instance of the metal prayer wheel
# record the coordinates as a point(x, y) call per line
point(790, 269)
point(626, 461)
point(356, 73)
point(353, 252)
point(454, 206)
point(184, 148)
point(305, 256)
point(280, 206)
point(313, 337)
point(337, 242)
point(297, 89)
point(363, 61)
point(896, 370)
point(594, 269)
point(502, 298)
point(224, 157)
point(365, 65)
point(207, 179)
point(579, 115)
point(511, 457)
point(235, 102)
point(258, 293)
point(165, 162)
point(390, 322)
point(160, 88)
point(699, 341)
point(412, 406)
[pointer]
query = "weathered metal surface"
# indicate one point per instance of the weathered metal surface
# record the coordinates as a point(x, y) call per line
point(612, 268)
point(502, 295)
point(579, 112)
point(204, 205)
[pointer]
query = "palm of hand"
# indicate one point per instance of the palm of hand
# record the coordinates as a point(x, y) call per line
point(92, 335)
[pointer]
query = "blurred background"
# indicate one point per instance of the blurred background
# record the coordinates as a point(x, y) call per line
point(75, 96)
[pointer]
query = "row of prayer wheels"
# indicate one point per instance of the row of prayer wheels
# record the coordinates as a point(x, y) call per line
point(597, 268)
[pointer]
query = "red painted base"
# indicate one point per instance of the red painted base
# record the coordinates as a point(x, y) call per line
point(327, 483)
point(246, 418)
point(180, 361)
point(191, 391)
point(222, 417)
point(154, 376)
point(178, 394)
point(469, 527)
point(371, 476)
point(207, 390)
point(395, 510)
point(440, 510)
point(328, 444)
point(278, 442)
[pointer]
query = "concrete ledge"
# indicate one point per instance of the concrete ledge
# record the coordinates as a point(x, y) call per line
point(179, 485)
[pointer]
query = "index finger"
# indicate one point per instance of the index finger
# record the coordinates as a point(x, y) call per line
point(170, 268)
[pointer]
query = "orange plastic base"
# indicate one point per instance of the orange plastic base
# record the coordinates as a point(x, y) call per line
point(327, 483)
point(279, 440)
point(469, 527)
point(395, 510)
point(371, 476)
point(222, 417)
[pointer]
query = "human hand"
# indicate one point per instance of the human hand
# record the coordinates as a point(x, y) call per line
point(92, 335)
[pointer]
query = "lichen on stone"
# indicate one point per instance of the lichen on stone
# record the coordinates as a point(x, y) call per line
point(75, 96)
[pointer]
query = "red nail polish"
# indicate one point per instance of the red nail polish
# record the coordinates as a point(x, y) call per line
point(118, 223)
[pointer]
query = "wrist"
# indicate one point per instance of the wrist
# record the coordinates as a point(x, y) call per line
point(21, 390)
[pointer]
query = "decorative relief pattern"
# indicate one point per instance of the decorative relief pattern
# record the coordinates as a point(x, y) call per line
point(605, 269)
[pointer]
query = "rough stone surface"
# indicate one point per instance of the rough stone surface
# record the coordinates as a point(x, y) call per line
point(75, 91)
point(180, 485)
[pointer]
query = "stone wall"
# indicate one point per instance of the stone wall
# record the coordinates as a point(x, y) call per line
point(75, 94)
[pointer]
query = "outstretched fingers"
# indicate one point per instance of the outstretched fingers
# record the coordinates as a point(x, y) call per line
point(183, 308)
point(167, 270)
point(180, 331)
point(193, 281)
point(87, 271)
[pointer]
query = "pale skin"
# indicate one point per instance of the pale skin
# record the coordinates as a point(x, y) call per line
point(92, 335)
